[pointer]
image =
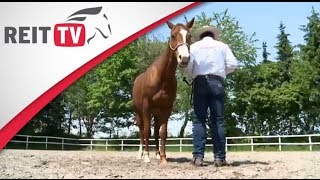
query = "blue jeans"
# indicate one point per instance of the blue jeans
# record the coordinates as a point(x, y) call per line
point(208, 92)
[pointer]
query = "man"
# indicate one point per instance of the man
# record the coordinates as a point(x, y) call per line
point(210, 62)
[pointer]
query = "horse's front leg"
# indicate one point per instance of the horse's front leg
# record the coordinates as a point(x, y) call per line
point(163, 136)
point(147, 131)
point(141, 135)
point(156, 136)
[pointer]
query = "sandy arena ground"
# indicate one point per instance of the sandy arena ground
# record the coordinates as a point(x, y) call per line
point(37, 164)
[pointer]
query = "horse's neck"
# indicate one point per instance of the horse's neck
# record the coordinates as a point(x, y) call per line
point(169, 65)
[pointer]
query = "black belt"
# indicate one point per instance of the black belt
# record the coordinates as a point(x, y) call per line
point(211, 76)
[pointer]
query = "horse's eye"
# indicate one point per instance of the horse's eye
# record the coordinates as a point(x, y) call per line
point(172, 36)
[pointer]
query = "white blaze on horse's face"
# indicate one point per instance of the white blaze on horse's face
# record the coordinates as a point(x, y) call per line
point(182, 52)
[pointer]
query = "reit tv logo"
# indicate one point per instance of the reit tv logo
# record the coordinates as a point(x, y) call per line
point(80, 28)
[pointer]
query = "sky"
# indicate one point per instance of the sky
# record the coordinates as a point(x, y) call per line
point(263, 18)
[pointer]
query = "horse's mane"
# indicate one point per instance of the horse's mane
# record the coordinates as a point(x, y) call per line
point(179, 24)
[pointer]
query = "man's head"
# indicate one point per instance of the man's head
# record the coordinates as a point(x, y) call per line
point(207, 31)
point(206, 34)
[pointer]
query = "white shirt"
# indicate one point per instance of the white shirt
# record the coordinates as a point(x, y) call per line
point(209, 56)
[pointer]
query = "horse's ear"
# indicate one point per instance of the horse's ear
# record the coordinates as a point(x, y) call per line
point(190, 23)
point(170, 25)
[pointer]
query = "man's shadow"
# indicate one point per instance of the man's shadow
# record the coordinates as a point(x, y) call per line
point(179, 160)
point(232, 163)
point(247, 162)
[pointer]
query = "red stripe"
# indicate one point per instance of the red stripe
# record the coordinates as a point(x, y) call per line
point(20, 120)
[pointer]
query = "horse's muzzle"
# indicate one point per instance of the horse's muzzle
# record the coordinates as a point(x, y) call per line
point(184, 62)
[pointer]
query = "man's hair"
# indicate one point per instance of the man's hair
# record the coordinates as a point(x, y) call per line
point(207, 33)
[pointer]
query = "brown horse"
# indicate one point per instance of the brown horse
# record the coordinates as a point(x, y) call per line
point(154, 90)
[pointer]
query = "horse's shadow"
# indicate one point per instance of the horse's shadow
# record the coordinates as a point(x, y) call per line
point(233, 163)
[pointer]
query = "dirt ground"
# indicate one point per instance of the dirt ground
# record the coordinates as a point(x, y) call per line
point(35, 164)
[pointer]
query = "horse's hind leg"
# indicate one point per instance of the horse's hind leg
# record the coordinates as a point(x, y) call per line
point(156, 136)
point(141, 134)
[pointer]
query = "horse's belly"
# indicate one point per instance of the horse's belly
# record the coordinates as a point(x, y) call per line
point(162, 99)
point(162, 103)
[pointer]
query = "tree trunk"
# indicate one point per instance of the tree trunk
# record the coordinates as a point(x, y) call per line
point(117, 133)
point(70, 121)
point(80, 130)
point(290, 126)
point(246, 125)
point(89, 127)
point(184, 125)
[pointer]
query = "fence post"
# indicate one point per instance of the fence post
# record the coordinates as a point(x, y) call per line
point(310, 142)
point(251, 144)
point(62, 144)
point(106, 144)
point(226, 145)
point(121, 144)
point(280, 143)
point(46, 143)
point(91, 145)
point(27, 142)
point(180, 145)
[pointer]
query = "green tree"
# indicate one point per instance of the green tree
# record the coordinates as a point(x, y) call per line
point(311, 53)
point(147, 48)
point(49, 121)
point(79, 96)
point(284, 45)
point(102, 99)
point(285, 95)
point(285, 51)
point(265, 54)
point(113, 87)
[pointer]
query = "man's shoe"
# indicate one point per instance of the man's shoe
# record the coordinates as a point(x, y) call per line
point(198, 162)
point(220, 163)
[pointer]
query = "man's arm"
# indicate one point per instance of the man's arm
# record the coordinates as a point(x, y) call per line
point(189, 69)
point(231, 61)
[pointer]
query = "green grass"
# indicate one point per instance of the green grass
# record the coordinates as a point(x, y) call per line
point(239, 148)
point(261, 148)
point(12, 145)
point(316, 148)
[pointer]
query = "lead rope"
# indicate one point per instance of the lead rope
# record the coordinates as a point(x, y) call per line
point(173, 49)
point(192, 86)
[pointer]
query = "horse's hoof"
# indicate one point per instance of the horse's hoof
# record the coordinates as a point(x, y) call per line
point(139, 157)
point(158, 156)
point(163, 162)
point(146, 159)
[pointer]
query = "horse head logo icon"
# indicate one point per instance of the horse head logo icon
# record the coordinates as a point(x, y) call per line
point(95, 21)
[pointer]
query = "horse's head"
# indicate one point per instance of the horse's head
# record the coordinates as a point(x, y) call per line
point(96, 22)
point(180, 38)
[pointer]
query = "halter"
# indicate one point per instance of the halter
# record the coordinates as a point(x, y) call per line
point(173, 49)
